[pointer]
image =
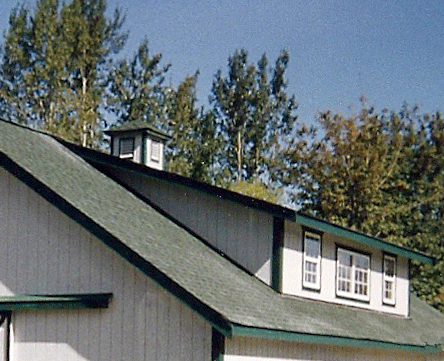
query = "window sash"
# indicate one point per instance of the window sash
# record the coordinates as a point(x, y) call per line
point(389, 280)
point(311, 272)
point(353, 275)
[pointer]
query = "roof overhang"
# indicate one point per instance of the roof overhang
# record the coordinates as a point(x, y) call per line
point(52, 302)
point(324, 226)
point(329, 340)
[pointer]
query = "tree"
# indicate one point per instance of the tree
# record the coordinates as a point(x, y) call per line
point(53, 67)
point(382, 174)
point(194, 144)
point(136, 88)
point(252, 115)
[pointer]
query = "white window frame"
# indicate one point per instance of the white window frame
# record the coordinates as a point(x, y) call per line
point(127, 155)
point(311, 265)
point(358, 278)
point(388, 279)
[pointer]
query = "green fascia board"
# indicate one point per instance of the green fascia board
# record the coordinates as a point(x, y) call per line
point(207, 313)
point(323, 226)
point(53, 302)
point(238, 330)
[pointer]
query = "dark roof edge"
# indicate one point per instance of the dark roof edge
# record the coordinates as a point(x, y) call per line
point(362, 238)
point(329, 340)
point(117, 163)
point(210, 315)
point(54, 302)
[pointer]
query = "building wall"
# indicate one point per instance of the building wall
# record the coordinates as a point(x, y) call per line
point(254, 349)
point(42, 251)
point(244, 234)
point(292, 272)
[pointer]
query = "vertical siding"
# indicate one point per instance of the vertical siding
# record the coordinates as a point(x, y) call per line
point(43, 251)
point(244, 234)
point(252, 349)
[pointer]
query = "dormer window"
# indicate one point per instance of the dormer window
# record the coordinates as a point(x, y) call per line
point(312, 261)
point(389, 280)
point(126, 148)
point(353, 275)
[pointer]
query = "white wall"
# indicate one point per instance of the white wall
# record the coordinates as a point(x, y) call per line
point(292, 272)
point(244, 234)
point(253, 349)
point(42, 251)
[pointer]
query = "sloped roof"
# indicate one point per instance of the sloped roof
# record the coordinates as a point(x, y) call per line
point(233, 301)
point(137, 125)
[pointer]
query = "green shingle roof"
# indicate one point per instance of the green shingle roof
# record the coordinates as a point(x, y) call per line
point(137, 125)
point(230, 299)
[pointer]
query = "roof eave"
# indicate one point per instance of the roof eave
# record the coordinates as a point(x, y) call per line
point(327, 227)
point(330, 340)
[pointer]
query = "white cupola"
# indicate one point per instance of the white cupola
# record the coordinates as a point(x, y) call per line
point(139, 142)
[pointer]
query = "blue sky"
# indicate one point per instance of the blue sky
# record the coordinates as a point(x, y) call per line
point(389, 51)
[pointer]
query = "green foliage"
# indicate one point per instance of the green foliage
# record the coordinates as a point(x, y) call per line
point(256, 190)
point(381, 174)
point(53, 68)
point(193, 145)
point(253, 115)
point(136, 88)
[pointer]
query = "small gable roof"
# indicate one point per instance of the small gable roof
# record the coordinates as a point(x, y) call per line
point(135, 126)
point(231, 300)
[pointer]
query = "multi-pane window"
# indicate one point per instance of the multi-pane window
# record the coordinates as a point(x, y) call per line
point(312, 261)
point(126, 148)
point(353, 275)
point(389, 280)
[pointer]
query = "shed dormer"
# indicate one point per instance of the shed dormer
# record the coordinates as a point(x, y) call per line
point(139, 142)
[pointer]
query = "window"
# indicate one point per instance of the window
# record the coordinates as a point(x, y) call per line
point(389, 280)
point(155, 150)
point(312, 261)
point(126, 148)
point(352, 275)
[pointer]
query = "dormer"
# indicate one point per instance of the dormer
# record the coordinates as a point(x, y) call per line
point(327, 263)
point(139, 142)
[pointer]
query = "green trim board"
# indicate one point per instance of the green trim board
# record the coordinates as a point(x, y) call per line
point(238, 330)
point(323, 226)
point(45, 302)
point(214, 318)
point(277, 253)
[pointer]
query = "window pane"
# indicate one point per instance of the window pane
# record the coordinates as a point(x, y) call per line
point(312, 247)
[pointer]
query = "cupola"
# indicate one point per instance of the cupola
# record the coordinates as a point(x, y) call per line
point(139, 142)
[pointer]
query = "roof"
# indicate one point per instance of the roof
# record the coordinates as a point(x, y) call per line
point(231, 300)
point(100, 159)
point(137, 125)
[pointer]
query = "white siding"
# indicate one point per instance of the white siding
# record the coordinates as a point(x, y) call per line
point(243, 233)
point(292, 272)
point(42, 251)
point(252, 349)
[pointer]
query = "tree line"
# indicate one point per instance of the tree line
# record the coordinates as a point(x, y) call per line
point(376, 172)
